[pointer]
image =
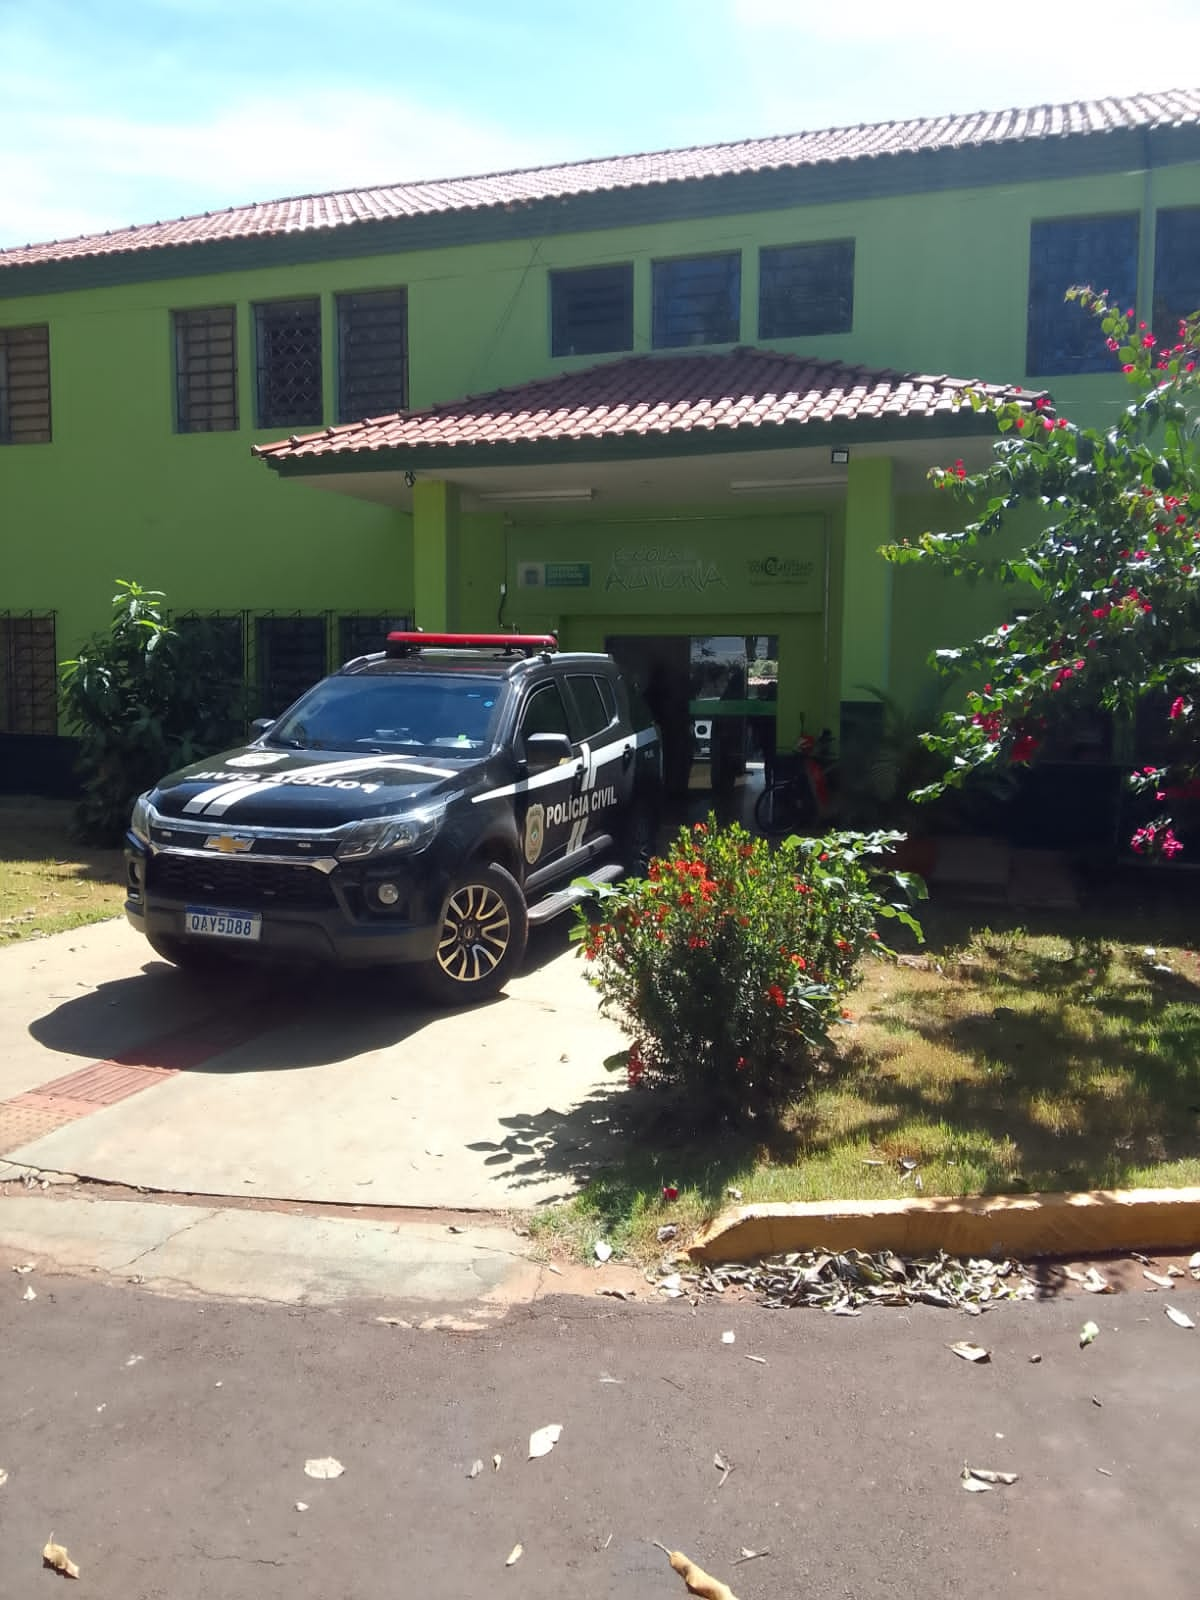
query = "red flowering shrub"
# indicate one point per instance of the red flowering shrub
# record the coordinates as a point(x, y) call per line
point(729, 961)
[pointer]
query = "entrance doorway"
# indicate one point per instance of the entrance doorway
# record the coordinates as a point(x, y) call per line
point(714, 699)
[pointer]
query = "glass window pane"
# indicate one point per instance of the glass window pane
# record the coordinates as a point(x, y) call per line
point(206, 370)
point(591, 712)
point(372, 354)
point(806, 289)
point(1100, 251)
point(697, 300)
point(591, 311)
point(289, 363)
point(1176, 270)
point(545, 712)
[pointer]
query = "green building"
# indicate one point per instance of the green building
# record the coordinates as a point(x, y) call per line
point(672, 403)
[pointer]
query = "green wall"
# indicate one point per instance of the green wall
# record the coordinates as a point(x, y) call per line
point(940, 286)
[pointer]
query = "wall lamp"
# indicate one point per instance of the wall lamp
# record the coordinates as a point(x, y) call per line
point(839, 456)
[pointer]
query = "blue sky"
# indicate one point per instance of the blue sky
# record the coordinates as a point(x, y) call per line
point(117, 111)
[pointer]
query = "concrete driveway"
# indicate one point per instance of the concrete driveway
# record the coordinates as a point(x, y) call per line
point(341, 1089)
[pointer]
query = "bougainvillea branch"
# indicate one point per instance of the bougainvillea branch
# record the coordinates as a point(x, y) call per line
point(1108, 608)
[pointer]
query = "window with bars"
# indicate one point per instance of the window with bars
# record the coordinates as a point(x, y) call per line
point(292, 656)
point(591, 311)
point(372, 354)
point(28, 674)
point(288, 342)
point(206, 370)
point(1100, 251)
point(25, 385)
point(218, 640)
point(1176, 270)
point(805, 289)
point(363, 635)
point(697, 300)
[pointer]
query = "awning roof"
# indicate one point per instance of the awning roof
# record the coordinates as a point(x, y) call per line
point(744, 398)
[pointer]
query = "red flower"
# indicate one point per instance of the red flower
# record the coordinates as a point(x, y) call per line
point(776, 994)
point(1023, 747)
point(670, 1192)
point(700, 828)
point(1178, 707)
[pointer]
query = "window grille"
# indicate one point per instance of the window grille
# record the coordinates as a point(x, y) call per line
point(591, 311)
point(288, 336)
point(28, 674)
point(206, 370)
point(697, 300)
point(1100, 251)
point(1176, 270)
point(25, 385)
point(220, 636)
point(806, 289)
point(372, 354)
point(363, 635)
point(293, 654)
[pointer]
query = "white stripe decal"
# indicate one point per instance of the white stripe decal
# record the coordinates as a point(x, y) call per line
point(575, 842)
point(216, 801)
point(568, 769)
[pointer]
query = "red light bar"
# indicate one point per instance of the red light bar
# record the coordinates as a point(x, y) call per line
point(403, 642)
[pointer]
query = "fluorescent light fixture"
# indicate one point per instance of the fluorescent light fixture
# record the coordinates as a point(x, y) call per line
point(512, 497)
point(783, 485)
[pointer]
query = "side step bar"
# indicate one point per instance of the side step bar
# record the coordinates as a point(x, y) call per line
point(563, 899)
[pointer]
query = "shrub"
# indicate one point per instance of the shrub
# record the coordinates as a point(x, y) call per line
point(142, 700)
point(729, 962)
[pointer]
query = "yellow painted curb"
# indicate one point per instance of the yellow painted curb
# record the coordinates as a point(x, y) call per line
point(991, 1225)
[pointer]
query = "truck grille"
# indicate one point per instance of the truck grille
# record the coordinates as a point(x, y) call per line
point(246, 885)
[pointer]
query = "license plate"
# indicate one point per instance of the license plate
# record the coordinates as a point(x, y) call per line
point(209, 923)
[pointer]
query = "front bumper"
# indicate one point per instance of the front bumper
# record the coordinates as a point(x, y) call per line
point(307, 915)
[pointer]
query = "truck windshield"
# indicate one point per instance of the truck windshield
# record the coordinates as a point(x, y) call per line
point(447, 715)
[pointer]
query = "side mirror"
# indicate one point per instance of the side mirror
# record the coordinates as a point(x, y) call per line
point(546, 750)
point(262, 725)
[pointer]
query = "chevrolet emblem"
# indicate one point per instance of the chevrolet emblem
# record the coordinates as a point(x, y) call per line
point(229, 844)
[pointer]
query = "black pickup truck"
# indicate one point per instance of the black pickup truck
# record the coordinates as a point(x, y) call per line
point(420, 807)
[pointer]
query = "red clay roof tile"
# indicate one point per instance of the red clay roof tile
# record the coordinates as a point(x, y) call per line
point(305, 213)
point(744, 388)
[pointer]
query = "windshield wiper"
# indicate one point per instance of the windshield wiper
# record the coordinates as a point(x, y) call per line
point(289, 744)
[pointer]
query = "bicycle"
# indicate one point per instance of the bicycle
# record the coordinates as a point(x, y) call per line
point(799, 795)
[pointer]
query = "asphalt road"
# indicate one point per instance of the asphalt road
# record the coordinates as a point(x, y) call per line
point(164, 1441)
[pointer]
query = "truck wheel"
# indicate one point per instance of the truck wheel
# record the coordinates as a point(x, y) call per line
point(185, 954)
point(482, 938)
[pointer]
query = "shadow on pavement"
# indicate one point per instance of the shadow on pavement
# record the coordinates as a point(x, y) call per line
point(276, 1018)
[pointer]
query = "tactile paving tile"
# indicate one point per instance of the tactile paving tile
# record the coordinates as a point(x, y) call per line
point(29, 1117)
point(103, 1083)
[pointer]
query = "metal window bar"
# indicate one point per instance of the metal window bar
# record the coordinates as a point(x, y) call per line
point(288, 339)
point(372, 354)
point(591, 311)
point(206, 370)
point(28, 673)
point(292, 653)
point(806, 289)
point(25, 385)
point(1063, 338)
point(361, 634)
point(1176, 270)
point(697, 300)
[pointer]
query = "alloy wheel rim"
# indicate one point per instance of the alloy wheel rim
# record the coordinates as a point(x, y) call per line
point(476, 933)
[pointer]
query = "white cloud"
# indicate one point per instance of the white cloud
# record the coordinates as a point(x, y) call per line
point(82, 171)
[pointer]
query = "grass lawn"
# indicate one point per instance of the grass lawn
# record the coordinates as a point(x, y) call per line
point(1001, 1058)
point(48, 882)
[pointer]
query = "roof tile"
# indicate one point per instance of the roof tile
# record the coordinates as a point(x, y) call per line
point(640, 395)
point(342, 208)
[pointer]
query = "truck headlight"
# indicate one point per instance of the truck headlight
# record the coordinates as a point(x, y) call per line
point(139, 822)
point(413, 831)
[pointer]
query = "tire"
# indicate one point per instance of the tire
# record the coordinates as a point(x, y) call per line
point(784, 806)
point(482, 938)
point(186, 954)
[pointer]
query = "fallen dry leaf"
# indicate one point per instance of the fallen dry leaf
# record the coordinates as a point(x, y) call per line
point(969, 1351)
point(723, 1466)
point(986, 1475)
point(602, 1250)
point(3, 1476)
point(56, 1557)
point(1034, 1359)
point(24, 1267)
point(394, 1322)
point(617, 1294)
point(750, 1555)
point(1194, 1264)
point(30, 1292)
point(324, 1467)
point(762, 1360)
point(1159, 1278)
point(1095, 1284)
point(496, 1460)
point(557, 1271)
point(543, 1440)
point(973, 1485)
point(733, 1193)
point(514, 1555)
point(1088, 1333)
point(666, 1233)
point(301, 1505)
point(475, 1469)
point(698, 1581)
point(1179, 1318)
point(728, 1338)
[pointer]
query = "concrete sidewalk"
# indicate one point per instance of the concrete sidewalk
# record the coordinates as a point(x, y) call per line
point(346, 1092)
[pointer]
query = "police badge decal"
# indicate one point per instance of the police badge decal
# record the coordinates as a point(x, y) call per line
point(535, 833)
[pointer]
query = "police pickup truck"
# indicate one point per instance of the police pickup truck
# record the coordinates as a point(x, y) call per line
point(420, 807)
